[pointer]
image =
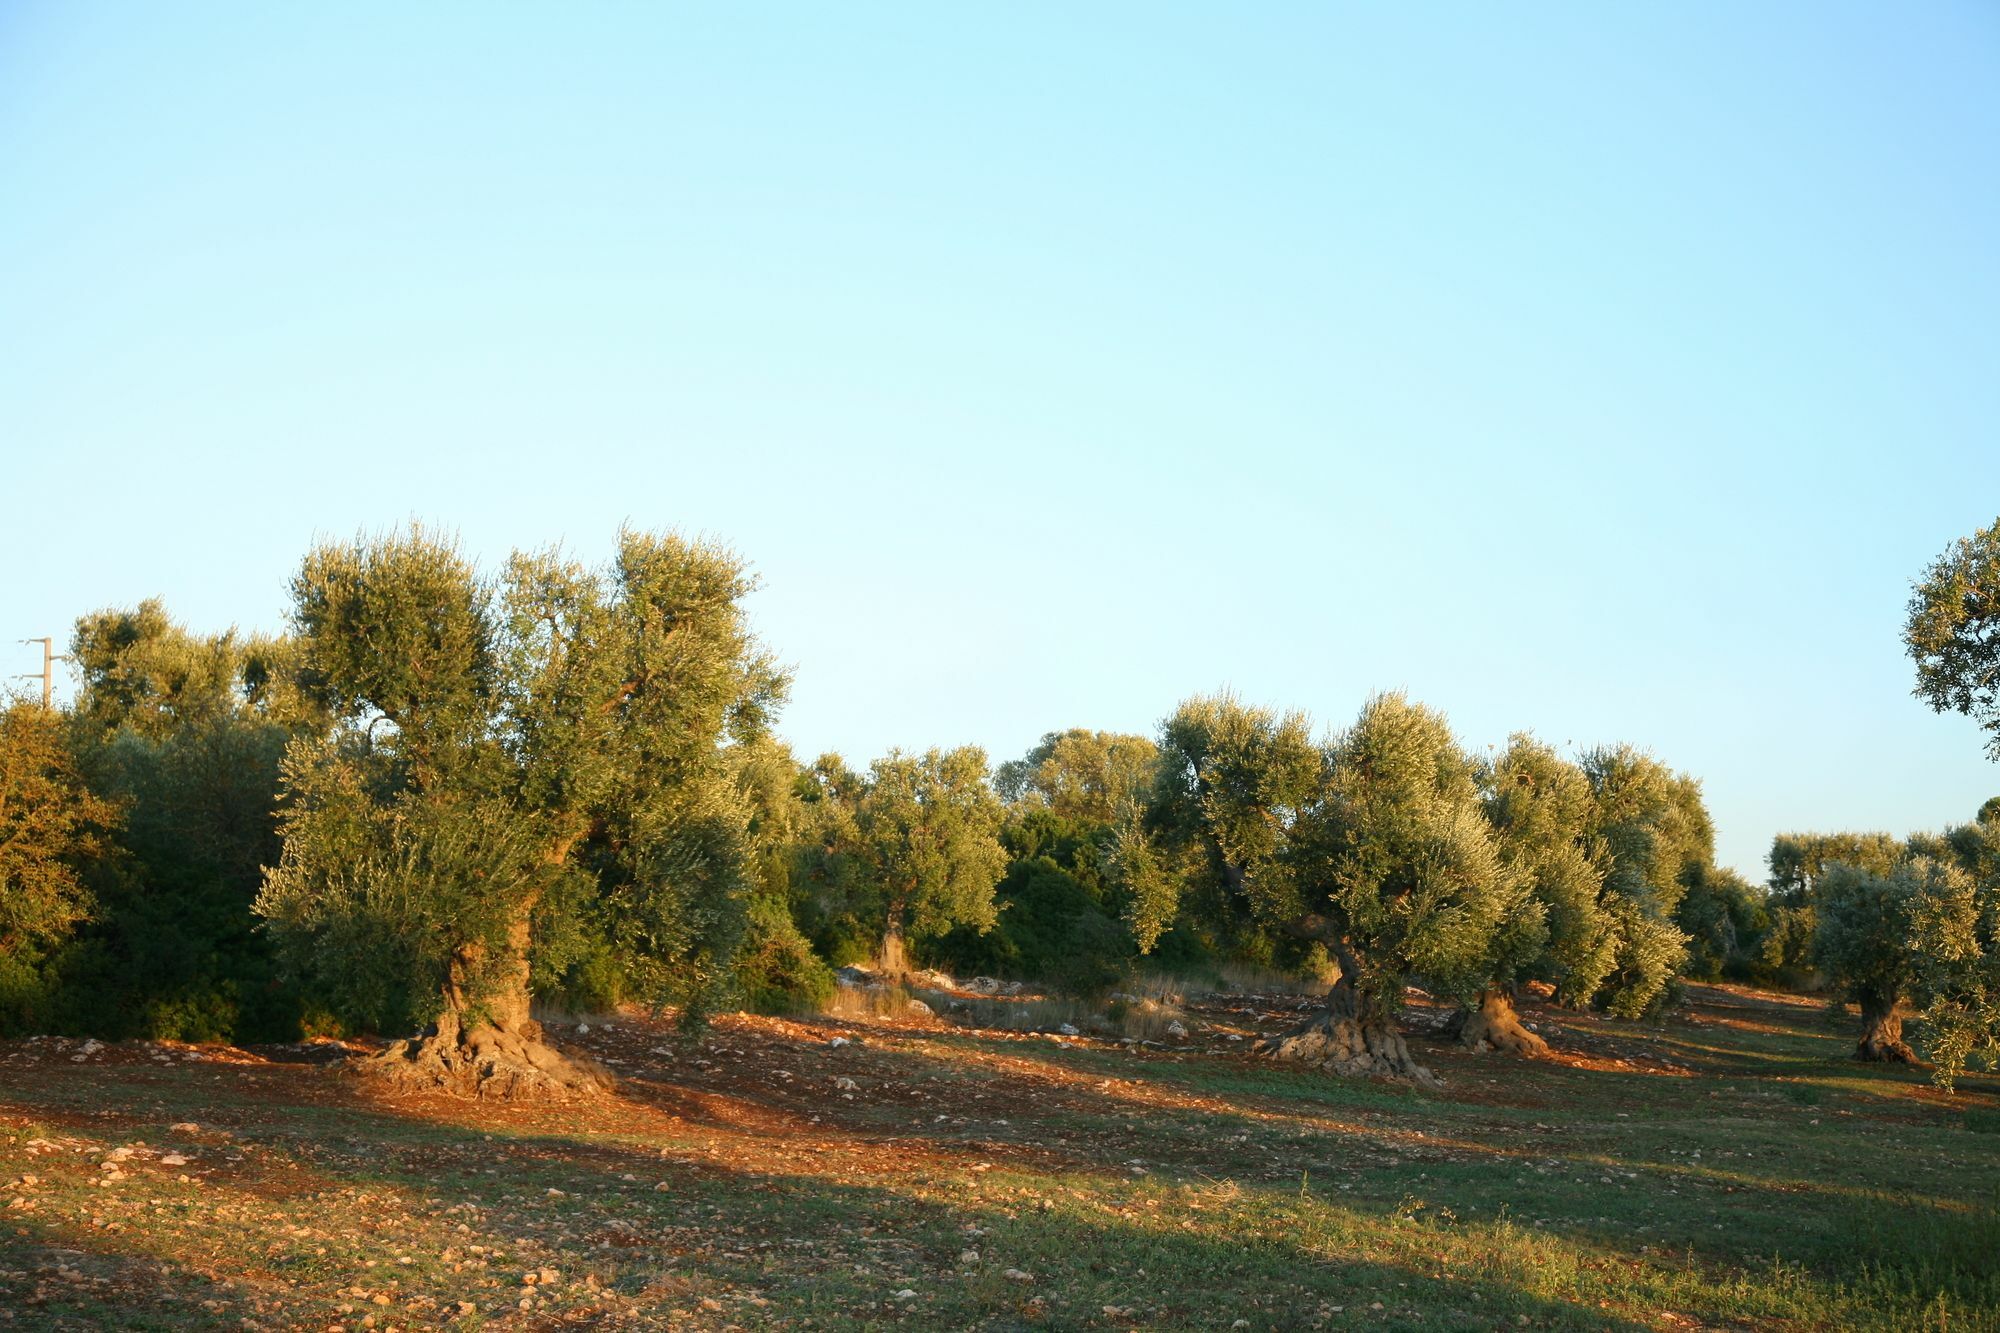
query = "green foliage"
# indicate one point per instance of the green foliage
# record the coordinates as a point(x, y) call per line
point(1658, 836)
point(1059, 906)
point(911, 851)
point(829, 895)
point(398, 910)
point(1955, 963)
point(175, 952)
point(1097, 777)
point(777, 971)
point(1861, 932)
point(169, 725)
point(1373, 846)
point(1054, 927)
point(1725, 919)
point(1653, 823)
point(560, 780)
point(1650, 954)
point(1544, 816)
point(1397, 856)
point(1953, 632)
point(52, 828)
point(1798, 861)
point(534, 765)
point(142, 672)
point(1230, 779)
point(1152, 889)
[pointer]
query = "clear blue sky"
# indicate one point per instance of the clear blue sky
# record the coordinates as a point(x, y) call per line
point(1605, 371)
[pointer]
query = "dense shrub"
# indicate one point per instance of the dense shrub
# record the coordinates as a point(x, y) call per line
point(1051, 929)
point(1725, 919)
point(777, 971)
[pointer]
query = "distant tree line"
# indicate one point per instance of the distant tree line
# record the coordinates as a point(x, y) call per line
point(445, 795)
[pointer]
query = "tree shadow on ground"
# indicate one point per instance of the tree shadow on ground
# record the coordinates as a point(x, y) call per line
point(857, 1193)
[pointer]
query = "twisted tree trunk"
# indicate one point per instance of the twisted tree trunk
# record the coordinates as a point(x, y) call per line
point(488, 1047)
point(1351, 1035)
point(894, 964)
point(1493, 1025)
point(1882, 1033)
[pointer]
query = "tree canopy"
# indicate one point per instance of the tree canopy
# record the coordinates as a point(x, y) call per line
point(1952, 632)
point(919, 840)
point(1086, 776)
point(51, 825)
point(537, 758)
point(1861, 941)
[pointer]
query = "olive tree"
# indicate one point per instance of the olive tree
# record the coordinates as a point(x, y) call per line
point(186, 732)
point(51, 827)
point(1095, 777)
point(1955, 952)
point(515, 764)
point(1656, 833)
point(1952, 632)
point(1798, 862)
point(926, 842)
point(1861, 941)
point(1726, 919)
point(1543, 815)
point(907, 851)
point(1230, 779)
point(1371, 845)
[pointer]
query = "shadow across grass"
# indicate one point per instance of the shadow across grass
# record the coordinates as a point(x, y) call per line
point(1168, 1190)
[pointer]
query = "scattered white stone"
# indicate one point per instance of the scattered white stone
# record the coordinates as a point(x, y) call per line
point(906, 1294)
point(837, 1042)
point(173, 1159)
point(1069, 1030)
point(1016, 1275)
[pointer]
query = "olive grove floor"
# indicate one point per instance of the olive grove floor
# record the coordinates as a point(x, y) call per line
point(1730, 1169)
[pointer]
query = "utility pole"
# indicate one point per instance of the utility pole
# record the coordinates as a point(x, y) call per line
point(47, 675)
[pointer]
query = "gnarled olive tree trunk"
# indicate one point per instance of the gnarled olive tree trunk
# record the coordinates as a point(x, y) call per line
point(894, 962)
point(1351, 1035)
point(1493, 1025)
point(1882, 1032)
point(489, 1046)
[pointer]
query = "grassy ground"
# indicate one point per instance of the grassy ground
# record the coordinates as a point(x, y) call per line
point(1730, 1170)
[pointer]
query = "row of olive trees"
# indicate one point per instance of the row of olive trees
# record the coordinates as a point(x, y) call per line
point(445, 792)
point(1389, 855)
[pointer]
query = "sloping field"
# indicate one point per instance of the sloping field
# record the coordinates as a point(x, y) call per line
point(1730, 1170)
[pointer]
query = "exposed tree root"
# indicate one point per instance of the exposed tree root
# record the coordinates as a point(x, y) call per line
point(1882, 1038)
point(1337, 1038)
point(486, 1061)
point(1494, 1026)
